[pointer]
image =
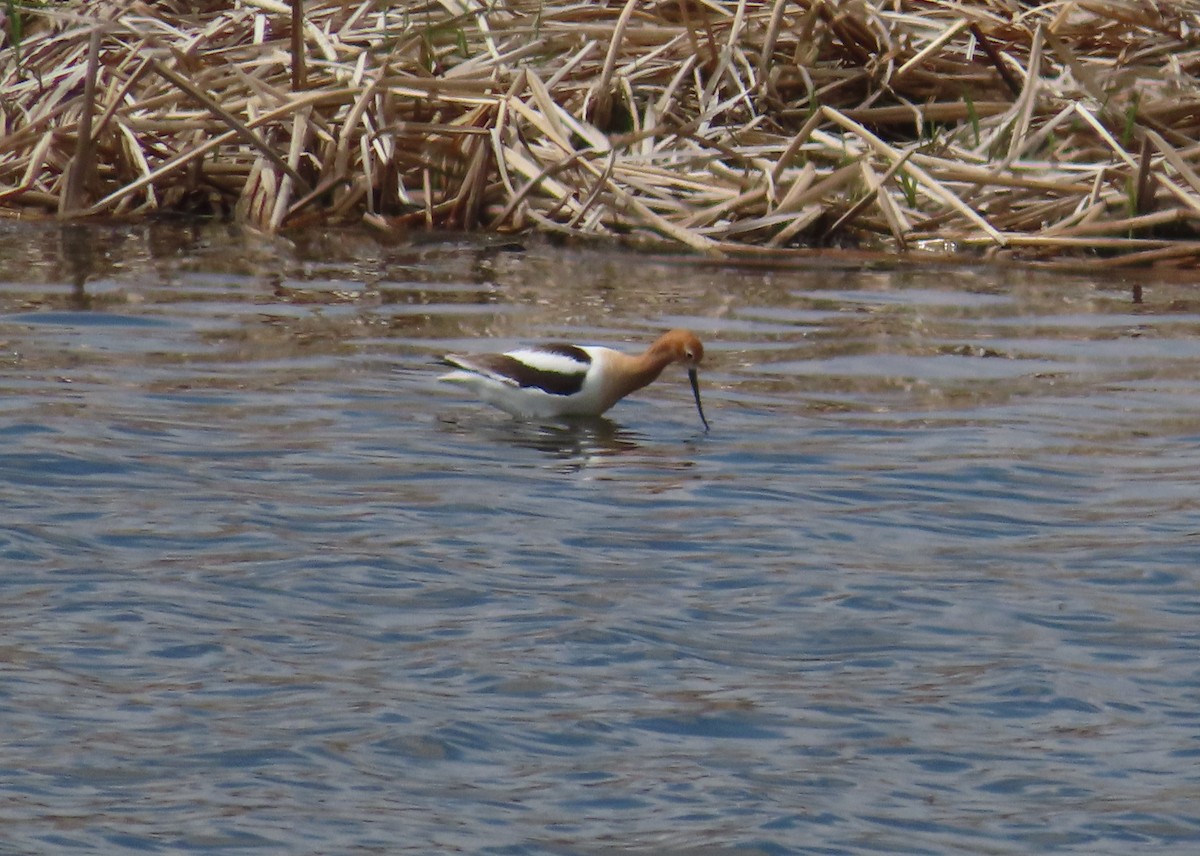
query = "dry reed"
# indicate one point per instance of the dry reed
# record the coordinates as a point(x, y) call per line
point(1061, 128)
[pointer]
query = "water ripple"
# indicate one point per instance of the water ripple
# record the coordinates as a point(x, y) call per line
point(928, 586)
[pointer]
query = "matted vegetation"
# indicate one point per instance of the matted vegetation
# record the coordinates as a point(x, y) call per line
point(1035, 129)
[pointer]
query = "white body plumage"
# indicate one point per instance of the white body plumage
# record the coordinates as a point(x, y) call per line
point(531, 383)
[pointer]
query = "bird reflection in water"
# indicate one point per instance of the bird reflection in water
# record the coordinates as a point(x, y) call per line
point(578, 440)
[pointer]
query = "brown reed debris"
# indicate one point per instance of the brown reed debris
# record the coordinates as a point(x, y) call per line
point(718, 125)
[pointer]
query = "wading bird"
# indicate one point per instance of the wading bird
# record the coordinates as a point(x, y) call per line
point(556, 380)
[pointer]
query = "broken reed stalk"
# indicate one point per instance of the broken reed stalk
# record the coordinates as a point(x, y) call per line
point(299, 74)
point(82, 167)
point(714, 125)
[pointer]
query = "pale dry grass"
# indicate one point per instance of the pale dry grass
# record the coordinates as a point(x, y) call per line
point(729, 127)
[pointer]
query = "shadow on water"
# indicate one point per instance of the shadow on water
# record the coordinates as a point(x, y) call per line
point(929, 584)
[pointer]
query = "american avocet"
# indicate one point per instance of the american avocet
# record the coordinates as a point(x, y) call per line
point(569, 380)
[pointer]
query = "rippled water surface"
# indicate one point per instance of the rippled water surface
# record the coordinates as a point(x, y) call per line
point(930, 584)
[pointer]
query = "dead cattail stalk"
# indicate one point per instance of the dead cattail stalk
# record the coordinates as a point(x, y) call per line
point(82, 170)
point(997, 61)
point(299, 73)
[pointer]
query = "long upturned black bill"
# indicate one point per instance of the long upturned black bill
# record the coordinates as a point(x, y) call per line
point(696, 392)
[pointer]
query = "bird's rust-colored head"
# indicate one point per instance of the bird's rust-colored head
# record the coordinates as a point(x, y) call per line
point(683, 346)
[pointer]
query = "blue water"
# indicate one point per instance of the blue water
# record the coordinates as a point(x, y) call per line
point(930, 584)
